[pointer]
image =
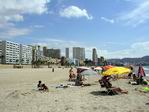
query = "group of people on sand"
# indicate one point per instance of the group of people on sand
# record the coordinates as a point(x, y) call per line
point(78, 79)
point(105, 81)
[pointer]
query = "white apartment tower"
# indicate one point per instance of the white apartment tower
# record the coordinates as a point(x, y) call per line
point(78, 53)
point(10, 52)
point(25, 54)
point(14, 53)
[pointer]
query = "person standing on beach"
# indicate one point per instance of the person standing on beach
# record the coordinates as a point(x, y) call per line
point(52, 69)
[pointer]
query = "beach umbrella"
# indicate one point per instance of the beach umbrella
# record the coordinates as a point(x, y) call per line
point(116, 71)
point(141, 72)
point(107, 67)
point(98, 68)
point(89, 72)
point(81, 69)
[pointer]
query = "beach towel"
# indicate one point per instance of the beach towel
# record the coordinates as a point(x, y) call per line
point(146, 89)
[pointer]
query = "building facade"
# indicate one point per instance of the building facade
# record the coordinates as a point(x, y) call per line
point(45, 53)
point(78, 53)
point(25, 54)
point(14, 53)
point(10, 52)
point(94, 56)
point(1, 56)
point(54, 53)
point(67, 52)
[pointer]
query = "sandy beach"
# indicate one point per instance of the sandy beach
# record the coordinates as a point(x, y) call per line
point(18, 93)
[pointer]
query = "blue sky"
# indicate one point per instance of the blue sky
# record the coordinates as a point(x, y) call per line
point(117, 28)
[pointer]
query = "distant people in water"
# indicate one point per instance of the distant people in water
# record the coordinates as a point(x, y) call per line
point(42, 87)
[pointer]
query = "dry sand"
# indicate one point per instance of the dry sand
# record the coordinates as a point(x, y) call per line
point(18, 94)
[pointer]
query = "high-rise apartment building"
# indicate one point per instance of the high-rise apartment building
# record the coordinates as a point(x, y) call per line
point(94, 56)
point(54, 53)
point(45, 53)
point(14, 53)
point(25, 54)
point(67, 52)
point(10, 52)
point(78, 53)
point(39, 53)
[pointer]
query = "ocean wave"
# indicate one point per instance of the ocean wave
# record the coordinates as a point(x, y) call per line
point(146, 68)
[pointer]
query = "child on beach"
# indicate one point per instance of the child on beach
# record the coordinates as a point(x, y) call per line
point(45, 88)
point(39, 85)
point(42, 87)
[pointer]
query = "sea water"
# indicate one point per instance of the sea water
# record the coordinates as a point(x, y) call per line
point(146, 69)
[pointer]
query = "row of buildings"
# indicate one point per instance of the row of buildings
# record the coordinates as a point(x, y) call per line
point(14, 53)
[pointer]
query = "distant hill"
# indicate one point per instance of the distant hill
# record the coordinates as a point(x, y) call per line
point(135, 61)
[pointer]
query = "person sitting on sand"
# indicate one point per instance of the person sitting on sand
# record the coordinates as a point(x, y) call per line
point(79, 81)
point(72, 76)
point(39, 85)
point(45, 88)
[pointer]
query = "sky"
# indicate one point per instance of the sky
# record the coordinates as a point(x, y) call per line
point(116, 28)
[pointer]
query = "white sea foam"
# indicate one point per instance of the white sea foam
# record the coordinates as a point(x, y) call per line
point(145, 68)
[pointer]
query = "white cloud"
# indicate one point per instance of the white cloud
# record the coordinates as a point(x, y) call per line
point(60, 44)
point(138, 49)
point(14, 32)
point(137, 16)
point(76, 12)
point(13, 10)
point(107, 20)
point(38, 26)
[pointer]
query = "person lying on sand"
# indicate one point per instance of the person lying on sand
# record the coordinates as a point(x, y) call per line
point(104, 82)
